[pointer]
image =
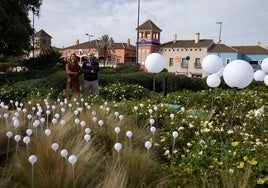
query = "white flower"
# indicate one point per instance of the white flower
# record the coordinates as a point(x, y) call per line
point(166, 152)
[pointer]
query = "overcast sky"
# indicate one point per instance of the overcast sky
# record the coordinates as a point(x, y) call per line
point(244, 22)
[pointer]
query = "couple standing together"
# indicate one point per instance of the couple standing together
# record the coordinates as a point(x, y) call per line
point(90, 70)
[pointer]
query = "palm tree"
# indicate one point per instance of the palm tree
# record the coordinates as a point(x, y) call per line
point(43, 45)
point(106, 42)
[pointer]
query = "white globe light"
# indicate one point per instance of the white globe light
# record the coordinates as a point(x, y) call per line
point(32, 159)
point(153, 129)
point(26, 140)
point(155, 63)
point(9, 134)
point(266, 80)
point(212, 64)
point(29, 132)
point(129, 134)
point(55, 146)
point(148, 144)
point(117, 147)
point(117, 130)
point(238, 74)
point(87, 130)
point(213, 80)
point(64, 153)
point(47, 132)
point(175, 134)
point(259, 75)
point(17, 138)
point(72, 159)
point(264, 65)
point(87, 137)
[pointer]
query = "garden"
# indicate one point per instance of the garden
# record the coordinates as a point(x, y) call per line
point(130, 136)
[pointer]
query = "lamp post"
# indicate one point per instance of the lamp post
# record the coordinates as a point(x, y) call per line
point(137, 43)
point(33, 10)
point(220, 23)
point(89, 41)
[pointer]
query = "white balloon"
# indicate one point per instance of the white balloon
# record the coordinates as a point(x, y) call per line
point(155, 63)
point(32, 159)
point(238, 74)
point(87, 137)
point(148, 144)
point(266, 80)
point(212, 64)
point(87, 130)
point(175, 134)
point(62, 122)
point(129, 134)
point(16, 123)
point(171, 116)
point(117, 147)
point(55, 146)
point(259, 75)
point(213, 80)
point(100, 122)
point(152, 121)
point(72, 159)
point(264, 65)
point(82, 123)
point(64, 153)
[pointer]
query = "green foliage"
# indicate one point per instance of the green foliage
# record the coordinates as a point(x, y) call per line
point(121, 91)
point(16, 30)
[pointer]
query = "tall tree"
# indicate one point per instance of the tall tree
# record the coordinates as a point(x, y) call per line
point(15, 26)
point(107, 43)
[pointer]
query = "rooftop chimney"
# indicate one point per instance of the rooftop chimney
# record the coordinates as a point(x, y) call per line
point(77, 42)
point(128, 42)
point(174, 38)
point(197, 38)
point(258, 43)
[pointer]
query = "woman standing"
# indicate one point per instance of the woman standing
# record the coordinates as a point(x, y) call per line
point(73, 71)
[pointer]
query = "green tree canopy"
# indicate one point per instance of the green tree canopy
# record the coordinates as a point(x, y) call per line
point(15, 26)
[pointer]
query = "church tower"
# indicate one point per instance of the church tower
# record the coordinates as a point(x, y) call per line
point(148, 40)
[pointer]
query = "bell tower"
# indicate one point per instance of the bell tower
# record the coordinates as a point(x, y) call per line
point(148, 40)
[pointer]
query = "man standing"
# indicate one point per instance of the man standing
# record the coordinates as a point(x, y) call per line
point(90, 69)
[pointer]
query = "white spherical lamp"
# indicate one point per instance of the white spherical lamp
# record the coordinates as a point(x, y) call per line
point(259, 75)
point(155, 63)
point(212, 64)
point(264, 65)
point(238, 74)
point(213, 80)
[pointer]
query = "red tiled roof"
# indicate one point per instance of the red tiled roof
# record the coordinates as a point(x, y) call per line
point(42, 33)
point(188, 44)
point(221, 48)
point(251, 49)
point(149, 25)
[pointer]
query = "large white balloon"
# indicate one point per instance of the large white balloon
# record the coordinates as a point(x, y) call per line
point(72, 159)
point(32, 159)
point(259, 75)
point(238, 74)
point(155, 63)
point(266, 80)
point(212, 64)
point(264, 65)
point(213, 80)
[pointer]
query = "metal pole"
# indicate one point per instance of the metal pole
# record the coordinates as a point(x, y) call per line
point(219, 37)
point(33, 10)
point(89, 41)
point(138, 30)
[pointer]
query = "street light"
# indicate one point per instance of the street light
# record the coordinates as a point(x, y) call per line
point(33, 10)
point(137, 43)
point(220, 23)
point(89, 41)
